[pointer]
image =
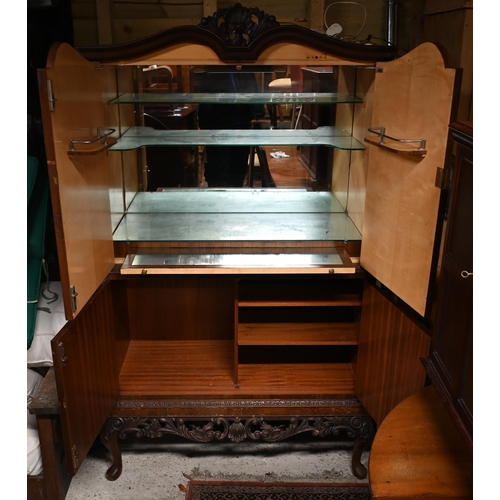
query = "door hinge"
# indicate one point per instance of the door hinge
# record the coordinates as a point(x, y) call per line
point(440, 181)
point(50, 92)
point(73, 294)
point(74, 456)
point(62, 354)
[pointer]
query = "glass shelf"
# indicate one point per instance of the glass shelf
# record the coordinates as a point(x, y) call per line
point(336, 137)
point(236, 215)
point(237, 98)
point(223, 227)
point(235, 200)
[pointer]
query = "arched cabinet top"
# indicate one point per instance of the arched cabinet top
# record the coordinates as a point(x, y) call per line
point(240, 35)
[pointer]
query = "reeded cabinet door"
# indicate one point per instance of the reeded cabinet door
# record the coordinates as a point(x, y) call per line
point(413, 98)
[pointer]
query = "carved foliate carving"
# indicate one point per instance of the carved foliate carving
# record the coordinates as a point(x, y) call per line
point(360, 428)
point(238, 25)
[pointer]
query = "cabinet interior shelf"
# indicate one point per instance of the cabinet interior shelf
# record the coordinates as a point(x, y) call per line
point(237, 98)
point(183, 368)
point(291, 216)
point(297, 334)
point(336, 137)
point(346, 301)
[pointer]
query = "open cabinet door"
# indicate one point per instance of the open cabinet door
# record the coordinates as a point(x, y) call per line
point(413, 99)
point(73, 108)
point(86, 367)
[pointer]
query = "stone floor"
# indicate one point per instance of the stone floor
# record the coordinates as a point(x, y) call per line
point(155, 469)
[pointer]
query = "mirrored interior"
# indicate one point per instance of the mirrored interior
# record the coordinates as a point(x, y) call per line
point(263, 140)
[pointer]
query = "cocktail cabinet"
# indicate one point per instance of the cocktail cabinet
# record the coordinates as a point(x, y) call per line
point(255, 313)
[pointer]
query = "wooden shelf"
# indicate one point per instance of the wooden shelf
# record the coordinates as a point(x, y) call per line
point(176, 368)
point(350, 301)
point(173, 369)
point(327, 379)
point(297, 334)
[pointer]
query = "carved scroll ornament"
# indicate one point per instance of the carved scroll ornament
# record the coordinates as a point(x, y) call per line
point(237, 25)
point(359, 428)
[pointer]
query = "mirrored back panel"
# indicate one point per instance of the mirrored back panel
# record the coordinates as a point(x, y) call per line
point(242, 152)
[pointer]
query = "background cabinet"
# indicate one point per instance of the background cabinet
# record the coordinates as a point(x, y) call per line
point(449, 363)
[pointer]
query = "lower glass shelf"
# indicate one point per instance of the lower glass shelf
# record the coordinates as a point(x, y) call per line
point(335, 137)
point(233, 215)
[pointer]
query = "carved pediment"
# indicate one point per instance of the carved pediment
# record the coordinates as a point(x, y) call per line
point(238, 25)
point(239, 35)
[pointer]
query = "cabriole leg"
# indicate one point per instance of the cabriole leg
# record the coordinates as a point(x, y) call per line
point(109, 438)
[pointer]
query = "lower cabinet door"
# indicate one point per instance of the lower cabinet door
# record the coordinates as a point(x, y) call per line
point(86, 368)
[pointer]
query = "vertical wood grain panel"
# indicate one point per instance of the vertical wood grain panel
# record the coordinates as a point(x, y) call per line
point(87, 374)
point(315, 14)
point(105, 16)
point(413, 99)
point(193, 308)
point(356, 119)
point(80, 184)
point(389, 351)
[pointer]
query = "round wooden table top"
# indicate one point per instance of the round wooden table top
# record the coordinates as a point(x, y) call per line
point(418, 453)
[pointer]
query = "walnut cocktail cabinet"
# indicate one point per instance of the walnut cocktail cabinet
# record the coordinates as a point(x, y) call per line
point(252, 314)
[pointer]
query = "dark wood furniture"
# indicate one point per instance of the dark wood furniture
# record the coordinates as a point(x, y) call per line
point(424, 446)
point(419, 453)
point(55, 480)
point(449, 363)
point(228, 324)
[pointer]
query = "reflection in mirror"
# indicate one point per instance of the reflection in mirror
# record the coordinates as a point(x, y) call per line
point(240, 98)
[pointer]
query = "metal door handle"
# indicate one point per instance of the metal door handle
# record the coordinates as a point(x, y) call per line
point(465, 274)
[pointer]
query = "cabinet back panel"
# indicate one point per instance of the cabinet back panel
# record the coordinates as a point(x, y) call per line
point(307, 291)
point(180, 308)
point(297, 314)
point(293, 354)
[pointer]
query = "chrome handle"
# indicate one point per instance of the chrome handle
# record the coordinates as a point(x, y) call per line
point(102, 133)
point(381, 132)
point(465, 274)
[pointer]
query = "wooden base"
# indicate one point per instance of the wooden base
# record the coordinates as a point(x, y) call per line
point(359, 427)
point(418, 453)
